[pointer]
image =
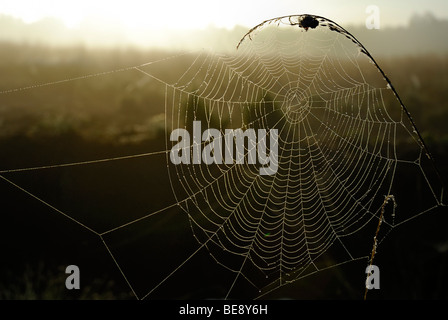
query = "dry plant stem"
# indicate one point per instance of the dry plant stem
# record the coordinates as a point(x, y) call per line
point(386, 200)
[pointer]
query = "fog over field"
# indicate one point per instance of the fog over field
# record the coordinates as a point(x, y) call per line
point(424, 33)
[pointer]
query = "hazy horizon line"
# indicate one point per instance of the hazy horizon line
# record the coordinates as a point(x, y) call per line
point(425, 28)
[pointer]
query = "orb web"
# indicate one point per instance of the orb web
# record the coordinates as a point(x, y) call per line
point(343, 135)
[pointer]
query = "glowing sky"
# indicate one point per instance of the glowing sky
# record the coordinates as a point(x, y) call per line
point(193, 14)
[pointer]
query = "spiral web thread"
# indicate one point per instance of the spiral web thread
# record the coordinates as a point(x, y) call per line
point(345, 142)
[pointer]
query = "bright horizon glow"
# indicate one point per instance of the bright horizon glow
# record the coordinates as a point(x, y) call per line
point(171, 14)
point(199, 14)
point(173, 23)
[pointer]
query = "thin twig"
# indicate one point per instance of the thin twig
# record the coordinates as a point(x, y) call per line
point(372, 256)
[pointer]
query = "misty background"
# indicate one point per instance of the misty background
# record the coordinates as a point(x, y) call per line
point(424, 33)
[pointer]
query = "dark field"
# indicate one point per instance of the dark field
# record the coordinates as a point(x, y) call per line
point(119, 112)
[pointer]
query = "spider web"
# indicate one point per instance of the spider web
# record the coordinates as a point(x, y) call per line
point(345, 142)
